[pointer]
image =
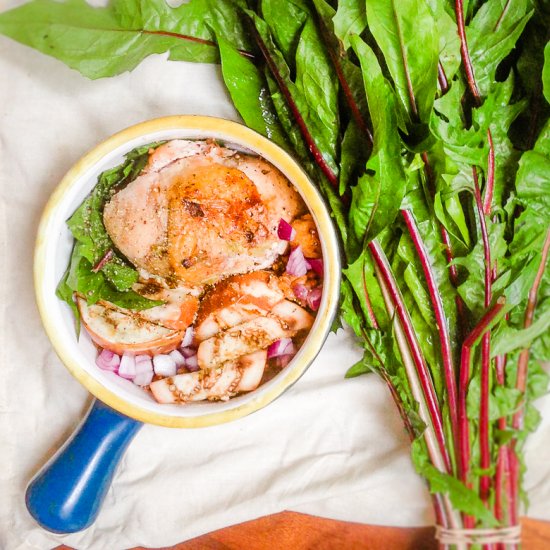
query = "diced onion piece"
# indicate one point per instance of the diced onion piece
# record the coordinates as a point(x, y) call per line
point(164, 365)
point(192, 363)
point(296, 264)
point(107, 360)
point(143, 363)
point(284, 346)
point(317, 265)
point(188, 352)
point(285, 231)
point(127, 367)
point(314, 298)
point(144, 370)
point(187, 337)
point(143, 378)
point(301, 292)
point(178, 357)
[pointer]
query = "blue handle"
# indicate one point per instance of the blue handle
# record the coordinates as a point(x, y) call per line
point(66, 495)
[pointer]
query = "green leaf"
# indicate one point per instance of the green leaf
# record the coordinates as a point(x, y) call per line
point(65, 293)
point(317, 86)
point(461, 497)
point(286, 21)
point(399, 28)
point(353, 92)
point(86, 224)
point(492, 34)
point(314, 90)
point(508, 339)
point(102, 42)
point(361, 367)
point(350, 19)
point(546, 73)
point(353, 156)
point(378, 194)
point(248, 90)
point(95, 287)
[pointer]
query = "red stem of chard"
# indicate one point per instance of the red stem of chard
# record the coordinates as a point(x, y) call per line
point(190, 38)
point(502, 474)
point(484, 443)
point(442, 79)
point(103, 260)
point(464, 53)
point(308, 138)
point(465, 366)
point(453, 272)
point(521, 381)
point(420, 365)
point(348, 94)
point(523, 361)
point(441, 321)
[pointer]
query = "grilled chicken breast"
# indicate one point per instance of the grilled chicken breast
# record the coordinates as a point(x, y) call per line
point(199, 212)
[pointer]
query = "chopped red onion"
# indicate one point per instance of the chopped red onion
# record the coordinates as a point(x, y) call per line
point(192, 363)
point(296, 264)
point(314, 298)
point(127, 368)
point(285, 231)
point(284, 346)
point(144, 370)
point(107, 360)
point(301, 292)
point(317, 265)
point(188, 352)
point(178, 357)
point(164, 365)
point(143, 378)
point(187, 338)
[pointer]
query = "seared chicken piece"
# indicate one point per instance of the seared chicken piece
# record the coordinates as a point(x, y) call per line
point(211, 213)
point(217, 225)
point(174, 150)
point(241, 375)
point(307, 237)
point(241, 340)
point(122, 332)
point(189, 386)
point(177, 312)
point(252, 369)
point(235, 300)
point(293, 317)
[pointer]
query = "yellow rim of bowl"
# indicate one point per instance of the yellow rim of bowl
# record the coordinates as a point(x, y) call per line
point(260, 145)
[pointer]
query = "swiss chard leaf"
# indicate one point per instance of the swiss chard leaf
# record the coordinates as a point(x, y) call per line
point(492, 34)
point(546, 73)
point(398, 28)
point(250, 94)
point(102, 42)
point(350, 18)
point(378, 194)
point(94, 248)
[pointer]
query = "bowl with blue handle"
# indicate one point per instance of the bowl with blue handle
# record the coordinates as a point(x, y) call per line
point(66, 494)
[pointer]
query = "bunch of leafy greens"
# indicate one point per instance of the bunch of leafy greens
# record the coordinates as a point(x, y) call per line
point(97, 271)
point(425, 124)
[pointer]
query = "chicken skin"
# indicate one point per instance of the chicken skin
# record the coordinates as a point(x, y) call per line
point(201, 212)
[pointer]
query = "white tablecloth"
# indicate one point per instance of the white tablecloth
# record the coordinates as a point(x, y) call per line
point(328, 446)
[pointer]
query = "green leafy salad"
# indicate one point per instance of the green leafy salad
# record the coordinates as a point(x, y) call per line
point(96, 269)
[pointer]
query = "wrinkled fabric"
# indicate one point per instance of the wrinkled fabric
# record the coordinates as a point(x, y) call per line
point(328, 446)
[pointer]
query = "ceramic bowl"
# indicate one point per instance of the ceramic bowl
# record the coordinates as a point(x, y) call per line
point(54, 245)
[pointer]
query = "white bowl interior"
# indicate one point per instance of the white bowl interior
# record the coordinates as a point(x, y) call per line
point(58, 243)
